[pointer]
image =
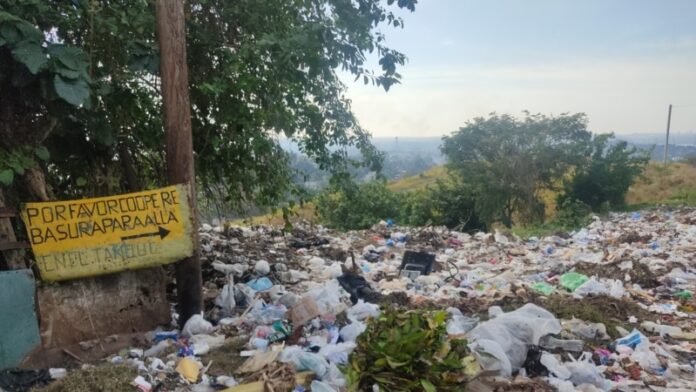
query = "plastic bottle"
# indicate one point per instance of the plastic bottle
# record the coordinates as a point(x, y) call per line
point(551, 343)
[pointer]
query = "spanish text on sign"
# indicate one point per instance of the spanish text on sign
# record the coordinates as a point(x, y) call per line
point(89, 237)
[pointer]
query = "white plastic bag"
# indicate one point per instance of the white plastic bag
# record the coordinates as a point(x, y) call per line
point(362, 310)
point(458, 324)
point(225, 300)
point(310, 361)
point(318, 386)
point(337, 353)
point(262, 267)
point(616, 288)
point(197, 325)
point(350, 332)
point(513, 332)
point(592, 286)
point(491, 356)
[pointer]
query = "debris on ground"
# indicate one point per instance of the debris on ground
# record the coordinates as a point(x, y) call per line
point(607, 307)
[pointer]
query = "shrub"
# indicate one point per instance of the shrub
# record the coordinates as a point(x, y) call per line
point(605, 176)
point(358, 206)
point(410, 351)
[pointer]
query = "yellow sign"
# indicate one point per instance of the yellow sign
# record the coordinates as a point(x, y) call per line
point(79, 238)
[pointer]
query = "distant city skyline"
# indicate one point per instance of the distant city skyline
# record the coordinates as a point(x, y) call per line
point(622, 62)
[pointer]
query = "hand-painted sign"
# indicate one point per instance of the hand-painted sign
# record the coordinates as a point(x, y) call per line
point(79, 238)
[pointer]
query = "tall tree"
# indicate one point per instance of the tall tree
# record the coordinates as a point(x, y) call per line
point(506, 162)
point(260, 69)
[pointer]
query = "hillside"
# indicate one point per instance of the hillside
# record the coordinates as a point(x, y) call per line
point(672, 184)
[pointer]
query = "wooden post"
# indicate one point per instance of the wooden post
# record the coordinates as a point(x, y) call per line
point(179, 142)
point(669, 120)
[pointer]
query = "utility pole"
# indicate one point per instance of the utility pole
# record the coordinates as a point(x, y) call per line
point(669, 120)
point(179, 141)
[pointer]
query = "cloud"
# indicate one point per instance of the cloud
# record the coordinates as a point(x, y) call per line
point(618, 96)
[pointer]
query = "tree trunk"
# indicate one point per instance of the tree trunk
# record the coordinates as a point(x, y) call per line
point(132, 180)
point(179, 141)
point(35, 183)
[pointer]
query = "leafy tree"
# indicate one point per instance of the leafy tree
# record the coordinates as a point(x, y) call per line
point(606, 173)
point(258, 70)
point(39, 80)
point(505, 162)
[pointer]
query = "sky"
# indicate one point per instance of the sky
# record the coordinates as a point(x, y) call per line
point(622, 62)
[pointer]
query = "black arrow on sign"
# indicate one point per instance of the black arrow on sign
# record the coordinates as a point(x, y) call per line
point(162, 232)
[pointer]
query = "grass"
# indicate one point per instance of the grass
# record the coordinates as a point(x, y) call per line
point(419, 181)
point(672, 184)
point(103, 378)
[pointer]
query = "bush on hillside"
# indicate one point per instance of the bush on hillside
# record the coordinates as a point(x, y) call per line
point(603, 179)
point(361, 206)
point(358, 206)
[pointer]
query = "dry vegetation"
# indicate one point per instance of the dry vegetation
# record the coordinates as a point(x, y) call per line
point(672, 184)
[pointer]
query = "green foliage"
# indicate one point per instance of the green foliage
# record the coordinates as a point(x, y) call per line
point(354, 206)
point(409, 351)
point(448, 203)
point(358, 206)
point(505, 162)
point(258, 70)
point(572, 214)
point(604, 176)
point(19, 160)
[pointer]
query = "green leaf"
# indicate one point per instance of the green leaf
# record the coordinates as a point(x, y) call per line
point(6, 176)
point(75, 92)
point(81, 181)
point(42, 153)
point(9, 33)
point(428, 386)
point(17, 167)
point(68, 73)
point(31, 55)
point(70, 57)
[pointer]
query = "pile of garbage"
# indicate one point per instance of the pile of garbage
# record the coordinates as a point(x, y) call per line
point(608, 307)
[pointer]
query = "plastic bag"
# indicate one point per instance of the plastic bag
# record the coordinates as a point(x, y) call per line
point(315, 363)
point(586, 330)
point(328, 297)
point(225, 300)
point(579, 372)
point(513, 332)
point(264, 314)
point(583, 371)
point(262, 267)
point(260, 284)
point(591, 287)
point(229, 269)
point(318, 386)
point(337, 353)
point(543, 287)
point(458, 324)
point(572, 280)
point(362, 310)
point(213, 341)
point(333, 271)
point(197, 325)
point(616, 288)
point(491, 356)
point(350, 332)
